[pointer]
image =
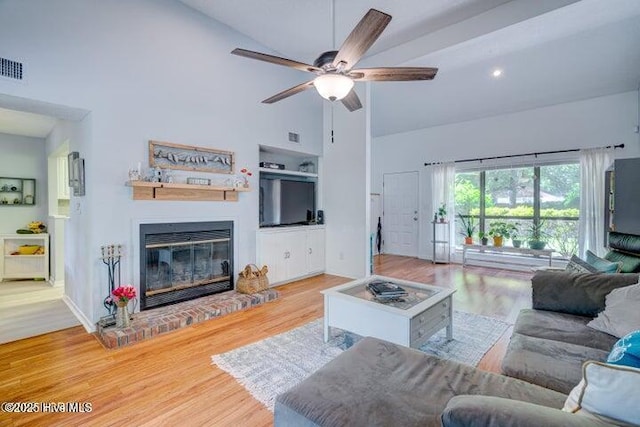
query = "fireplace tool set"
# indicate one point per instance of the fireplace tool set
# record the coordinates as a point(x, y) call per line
point(111, 255)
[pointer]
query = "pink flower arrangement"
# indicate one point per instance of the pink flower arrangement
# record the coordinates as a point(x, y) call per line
point(246, 171)
point(124, 293)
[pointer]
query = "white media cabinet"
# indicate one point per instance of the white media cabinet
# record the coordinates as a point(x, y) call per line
point(291, 252)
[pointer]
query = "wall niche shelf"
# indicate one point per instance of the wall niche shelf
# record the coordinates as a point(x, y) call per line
point(143, 190)
point(287, 172)
point(17, 191)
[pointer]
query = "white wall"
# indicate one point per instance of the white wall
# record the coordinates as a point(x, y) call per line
point(23, 157)
point(346, 187)
point(593, 122)
point(149, 69)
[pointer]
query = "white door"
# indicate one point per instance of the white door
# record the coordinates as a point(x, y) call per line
point(400, 214)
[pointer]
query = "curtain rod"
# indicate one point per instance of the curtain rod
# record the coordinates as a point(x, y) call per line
point(481, 159)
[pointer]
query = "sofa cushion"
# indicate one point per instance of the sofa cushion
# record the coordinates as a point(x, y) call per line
point(482, 411)
point(562, 327)
point(602, 264)
point(630, 263)
point(548, 363)
point(606, 392)
point(576, 265)
point(581, 294)
point(379, 383)
point(625, 248)
point(621, 315)
point(626, 351)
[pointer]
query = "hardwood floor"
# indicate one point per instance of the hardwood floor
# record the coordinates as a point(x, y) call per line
point(29, 308)
point(170, 380)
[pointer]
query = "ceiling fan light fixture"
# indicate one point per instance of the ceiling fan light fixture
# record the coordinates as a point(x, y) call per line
point(333, 86)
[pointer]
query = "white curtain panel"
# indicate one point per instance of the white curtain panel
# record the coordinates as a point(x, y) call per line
point(593, 165)
point(443, 177)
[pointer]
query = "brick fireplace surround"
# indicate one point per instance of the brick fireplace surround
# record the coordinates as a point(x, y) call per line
point(150, 323)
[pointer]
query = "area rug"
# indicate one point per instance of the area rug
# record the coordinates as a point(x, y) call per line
point(274, 365)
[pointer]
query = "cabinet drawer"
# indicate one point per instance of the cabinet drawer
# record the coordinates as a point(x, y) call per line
point(422, 335)
point(431, 315)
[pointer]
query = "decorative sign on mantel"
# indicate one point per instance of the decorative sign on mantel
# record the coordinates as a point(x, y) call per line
point(167, 155)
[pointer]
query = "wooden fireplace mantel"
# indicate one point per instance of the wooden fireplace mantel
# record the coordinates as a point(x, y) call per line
point(143, 190)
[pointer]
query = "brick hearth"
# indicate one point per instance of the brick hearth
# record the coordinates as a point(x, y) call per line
point(150, 323)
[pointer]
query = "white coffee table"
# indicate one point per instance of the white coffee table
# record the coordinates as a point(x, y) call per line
point(410, 322)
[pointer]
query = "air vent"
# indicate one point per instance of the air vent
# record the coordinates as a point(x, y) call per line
point(294, 137)
point(10, 69)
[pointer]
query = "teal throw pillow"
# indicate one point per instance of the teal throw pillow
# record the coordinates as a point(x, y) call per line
point(626, 351)
point(602, 265)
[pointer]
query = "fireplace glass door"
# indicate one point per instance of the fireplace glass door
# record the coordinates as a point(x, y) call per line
point(180, 266)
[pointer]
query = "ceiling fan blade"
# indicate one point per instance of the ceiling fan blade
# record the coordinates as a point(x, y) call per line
point(275, 60)
point(351, 101)
point(289, 92)
point(393, 74)
point(361, 38)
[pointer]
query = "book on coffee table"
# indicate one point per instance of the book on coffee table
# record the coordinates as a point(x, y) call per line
point(383, 289)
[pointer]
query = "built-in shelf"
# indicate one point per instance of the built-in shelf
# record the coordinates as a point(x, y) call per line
point(24, 266)
point(288, 172)
point(143, 190)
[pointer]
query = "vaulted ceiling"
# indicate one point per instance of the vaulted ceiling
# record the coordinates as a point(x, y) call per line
point(550, 51)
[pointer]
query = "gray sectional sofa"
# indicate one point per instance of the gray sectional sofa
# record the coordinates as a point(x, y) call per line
point(376, 383)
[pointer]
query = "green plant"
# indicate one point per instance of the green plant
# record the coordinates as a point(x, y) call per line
point(501, 229)
point(468, 226)
point(442, 211)
point(515, 231)
point(536, 232)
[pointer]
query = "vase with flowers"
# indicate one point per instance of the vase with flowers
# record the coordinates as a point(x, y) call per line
point(245, 174)
point(122, 295)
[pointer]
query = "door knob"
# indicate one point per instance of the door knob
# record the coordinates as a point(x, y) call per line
point(415, 218)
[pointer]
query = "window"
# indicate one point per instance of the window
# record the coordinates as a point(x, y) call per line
point(524, 196)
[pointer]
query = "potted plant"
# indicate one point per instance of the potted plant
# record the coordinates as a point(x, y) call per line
point(537, 236)
point(468, 228)
point(442, 212)
point(515, 234)
point(483, 238)
point(500, 230)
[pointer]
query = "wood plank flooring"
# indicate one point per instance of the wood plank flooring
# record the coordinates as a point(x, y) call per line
point(29, 308)
point(170, 381)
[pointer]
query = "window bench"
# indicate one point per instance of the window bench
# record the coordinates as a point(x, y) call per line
point(506, 250)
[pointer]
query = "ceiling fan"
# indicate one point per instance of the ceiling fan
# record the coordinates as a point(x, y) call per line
point(334, 69)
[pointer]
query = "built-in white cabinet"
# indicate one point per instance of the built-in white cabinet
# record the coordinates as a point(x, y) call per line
point(291, 252)
point(315, 250)
point(24, 256)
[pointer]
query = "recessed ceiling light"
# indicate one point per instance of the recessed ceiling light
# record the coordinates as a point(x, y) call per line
point(496, 73)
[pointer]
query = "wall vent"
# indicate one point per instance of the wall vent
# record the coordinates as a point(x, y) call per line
point(10, 69)
point(294, 137)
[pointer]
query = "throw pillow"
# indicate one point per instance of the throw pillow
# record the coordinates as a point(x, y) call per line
point(602, 265)
point(626, 351)
point(621, 314)
point(607, 393)
point(576, 265)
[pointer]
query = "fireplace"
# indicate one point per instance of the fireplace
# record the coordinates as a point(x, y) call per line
point(183, 261)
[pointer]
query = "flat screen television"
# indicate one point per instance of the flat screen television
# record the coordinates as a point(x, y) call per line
point(287, 202)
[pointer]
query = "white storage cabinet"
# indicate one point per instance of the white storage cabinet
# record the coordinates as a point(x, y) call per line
point(291, 253)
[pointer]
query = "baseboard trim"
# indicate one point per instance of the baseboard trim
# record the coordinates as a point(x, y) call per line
point(89, 326)
point(54, 282)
